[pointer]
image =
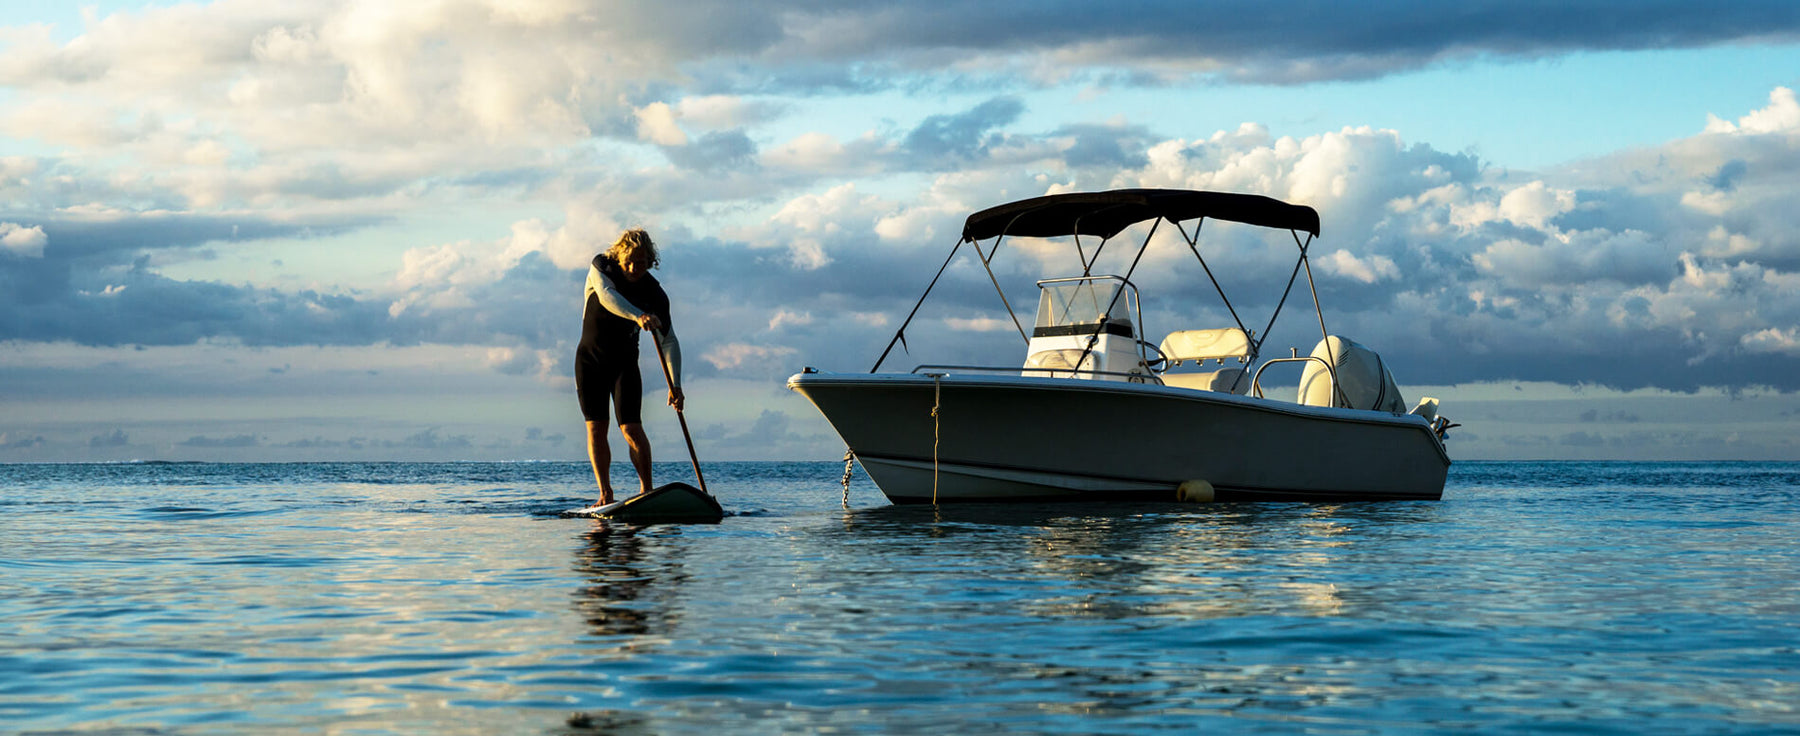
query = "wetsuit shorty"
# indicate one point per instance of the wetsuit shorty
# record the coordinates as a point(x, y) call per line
point(606, 360)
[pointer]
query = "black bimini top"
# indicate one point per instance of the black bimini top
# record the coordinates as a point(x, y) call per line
point(1104, 214)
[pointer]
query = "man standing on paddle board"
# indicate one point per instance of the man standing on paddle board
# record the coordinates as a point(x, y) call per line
point(621, 298)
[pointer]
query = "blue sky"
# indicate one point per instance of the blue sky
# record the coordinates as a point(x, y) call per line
point(355, 230)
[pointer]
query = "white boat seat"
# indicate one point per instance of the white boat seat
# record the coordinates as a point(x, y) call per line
point(1058, 359)
point(1203, 345)
point(1428, 408)
point(1224, 380)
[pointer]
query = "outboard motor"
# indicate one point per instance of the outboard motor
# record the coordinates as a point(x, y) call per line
point(1363, 380)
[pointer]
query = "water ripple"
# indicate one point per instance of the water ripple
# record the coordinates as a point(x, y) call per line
point(409, 598)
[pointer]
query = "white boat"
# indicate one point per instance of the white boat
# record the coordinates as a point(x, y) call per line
point(1095, 411)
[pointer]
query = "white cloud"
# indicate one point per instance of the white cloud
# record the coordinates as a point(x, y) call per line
point(724, 111)
point(542, 365)
point(809, 227)
point(1577, 258)
point(737, 355)
point(1534, 204)
point(784, 317)
point(811, 150)
point(978, 324)
point(656, 124)
point(571, 246)
point(1368, 270)
point(1782, 115)
point(870, 319)
point(22, 241)
point(1773, 340)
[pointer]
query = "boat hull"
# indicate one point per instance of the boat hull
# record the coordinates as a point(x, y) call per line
point(999, 438)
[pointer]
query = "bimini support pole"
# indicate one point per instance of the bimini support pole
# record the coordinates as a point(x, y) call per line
point(1094, 339)
point(1193, 244)
point(987, 263)
point(900, 334)
point(1324, 334)
point(1256, 342)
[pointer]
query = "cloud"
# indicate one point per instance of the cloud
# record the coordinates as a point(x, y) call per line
point(1240, 41)
point(232, 442)
point(1773, 340)
point(714, 151)
point(785, 317)
point(656, 124)
point(1568, 274)
point(115, 438)
point(978, 324)
point(950, 139)
point(10, 441)
point(475, 155)
point(1619, 416)
point(734, 356)
point(720, 112)
point(772, 433)
point(536, 435)
point(21, 241)
point(514, 361)
point(428, 439)
point(320, 443)
point(49, 301)
point(1367, 270)
point(1782, 114)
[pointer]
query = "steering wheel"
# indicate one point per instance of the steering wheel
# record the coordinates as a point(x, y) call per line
point(1160, 363)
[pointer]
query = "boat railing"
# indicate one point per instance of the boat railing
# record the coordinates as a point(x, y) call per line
point(1256, 379)
point(1136, 377)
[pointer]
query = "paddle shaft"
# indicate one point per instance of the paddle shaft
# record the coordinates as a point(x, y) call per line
point(679, 416)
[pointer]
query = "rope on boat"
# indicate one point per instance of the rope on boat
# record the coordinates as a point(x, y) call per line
point(849, 464)
point(937, 402)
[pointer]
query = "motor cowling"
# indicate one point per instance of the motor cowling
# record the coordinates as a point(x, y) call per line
point(1363, 379)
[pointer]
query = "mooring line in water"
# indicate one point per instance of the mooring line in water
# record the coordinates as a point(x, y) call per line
point(849, 463)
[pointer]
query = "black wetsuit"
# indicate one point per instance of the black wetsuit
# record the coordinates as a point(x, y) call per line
point(606, 360)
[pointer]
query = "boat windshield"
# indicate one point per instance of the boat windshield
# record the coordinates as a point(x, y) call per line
point(1081, 302)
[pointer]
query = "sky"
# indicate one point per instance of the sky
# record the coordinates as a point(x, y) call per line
point(351, 230)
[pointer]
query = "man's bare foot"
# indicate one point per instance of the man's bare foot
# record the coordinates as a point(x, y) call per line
point(606, 497)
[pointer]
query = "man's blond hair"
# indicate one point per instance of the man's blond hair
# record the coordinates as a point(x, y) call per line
point(632, 240)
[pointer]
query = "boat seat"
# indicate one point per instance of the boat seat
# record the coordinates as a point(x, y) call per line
point(1428, 408)
point(1200, 346)
point(1062, 360)
point(1224, 380)
point(1203, 345)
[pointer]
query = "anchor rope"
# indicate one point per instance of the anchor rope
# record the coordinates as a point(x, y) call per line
point(849, 464)
point(937, 402)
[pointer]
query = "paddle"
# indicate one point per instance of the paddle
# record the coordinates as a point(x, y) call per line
point(670, 378)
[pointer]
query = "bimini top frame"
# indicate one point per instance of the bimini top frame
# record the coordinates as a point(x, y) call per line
point(1105, 214)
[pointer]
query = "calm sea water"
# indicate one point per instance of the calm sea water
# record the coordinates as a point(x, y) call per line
point(444, 599)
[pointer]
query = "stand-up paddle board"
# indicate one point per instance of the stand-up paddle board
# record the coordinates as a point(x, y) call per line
point(672, 502)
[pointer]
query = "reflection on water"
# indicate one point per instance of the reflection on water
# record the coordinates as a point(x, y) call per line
point(628, 588)
point(1159, 559)
point(448, 599)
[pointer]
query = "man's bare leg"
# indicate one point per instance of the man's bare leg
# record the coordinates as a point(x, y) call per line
point(600, 455)
point(640, 453)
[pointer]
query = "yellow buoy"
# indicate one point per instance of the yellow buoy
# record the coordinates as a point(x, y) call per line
point(1194, 491)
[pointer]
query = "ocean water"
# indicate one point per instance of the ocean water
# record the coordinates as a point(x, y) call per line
point(449, 598)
